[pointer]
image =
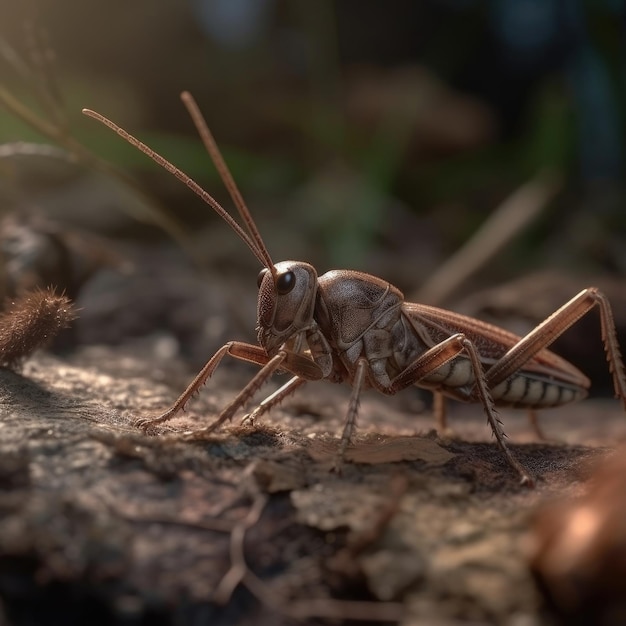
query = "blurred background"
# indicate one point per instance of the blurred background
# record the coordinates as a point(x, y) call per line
point(470, 152)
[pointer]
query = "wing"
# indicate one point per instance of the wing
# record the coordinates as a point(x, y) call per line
point(433, 325)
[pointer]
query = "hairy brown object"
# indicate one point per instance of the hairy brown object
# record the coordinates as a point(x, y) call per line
point(30, 322)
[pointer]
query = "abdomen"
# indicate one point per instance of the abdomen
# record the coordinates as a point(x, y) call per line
point(526, 389)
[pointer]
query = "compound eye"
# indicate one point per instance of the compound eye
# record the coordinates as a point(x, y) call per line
point(285, 283)
point(259, 278)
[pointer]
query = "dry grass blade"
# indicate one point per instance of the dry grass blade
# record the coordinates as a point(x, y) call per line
point(239, 568)
point(508, 220)
point(38, 74)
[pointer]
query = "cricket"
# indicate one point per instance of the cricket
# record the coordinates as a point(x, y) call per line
point(350, 327)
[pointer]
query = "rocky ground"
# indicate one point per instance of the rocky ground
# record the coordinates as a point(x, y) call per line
point(105, 525)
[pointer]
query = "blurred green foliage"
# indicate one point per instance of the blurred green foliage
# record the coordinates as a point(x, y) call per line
point(314, 107)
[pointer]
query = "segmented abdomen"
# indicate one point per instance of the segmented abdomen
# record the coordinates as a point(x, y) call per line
point(533, 391)
point(525, 389)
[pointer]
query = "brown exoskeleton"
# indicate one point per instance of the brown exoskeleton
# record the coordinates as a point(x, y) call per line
point(347, 326)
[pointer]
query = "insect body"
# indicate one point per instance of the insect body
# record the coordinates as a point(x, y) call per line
point(347, 326)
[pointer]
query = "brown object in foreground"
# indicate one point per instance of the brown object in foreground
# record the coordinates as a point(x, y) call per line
point(31, 321)
point(579, 550)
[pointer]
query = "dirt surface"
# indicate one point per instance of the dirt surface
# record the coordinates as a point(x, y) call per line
point(101, 524)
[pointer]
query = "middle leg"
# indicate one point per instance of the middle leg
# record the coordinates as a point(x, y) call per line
point(437, 356)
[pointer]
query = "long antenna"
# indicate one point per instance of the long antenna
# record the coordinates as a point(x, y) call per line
point(259, 252)
point(220, 165)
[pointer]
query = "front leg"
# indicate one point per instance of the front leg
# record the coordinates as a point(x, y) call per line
point(322, 355)
point(274, 398)
point(293, 362)
point(240, 399)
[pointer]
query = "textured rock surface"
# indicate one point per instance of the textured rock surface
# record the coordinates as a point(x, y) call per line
point(100, 523)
